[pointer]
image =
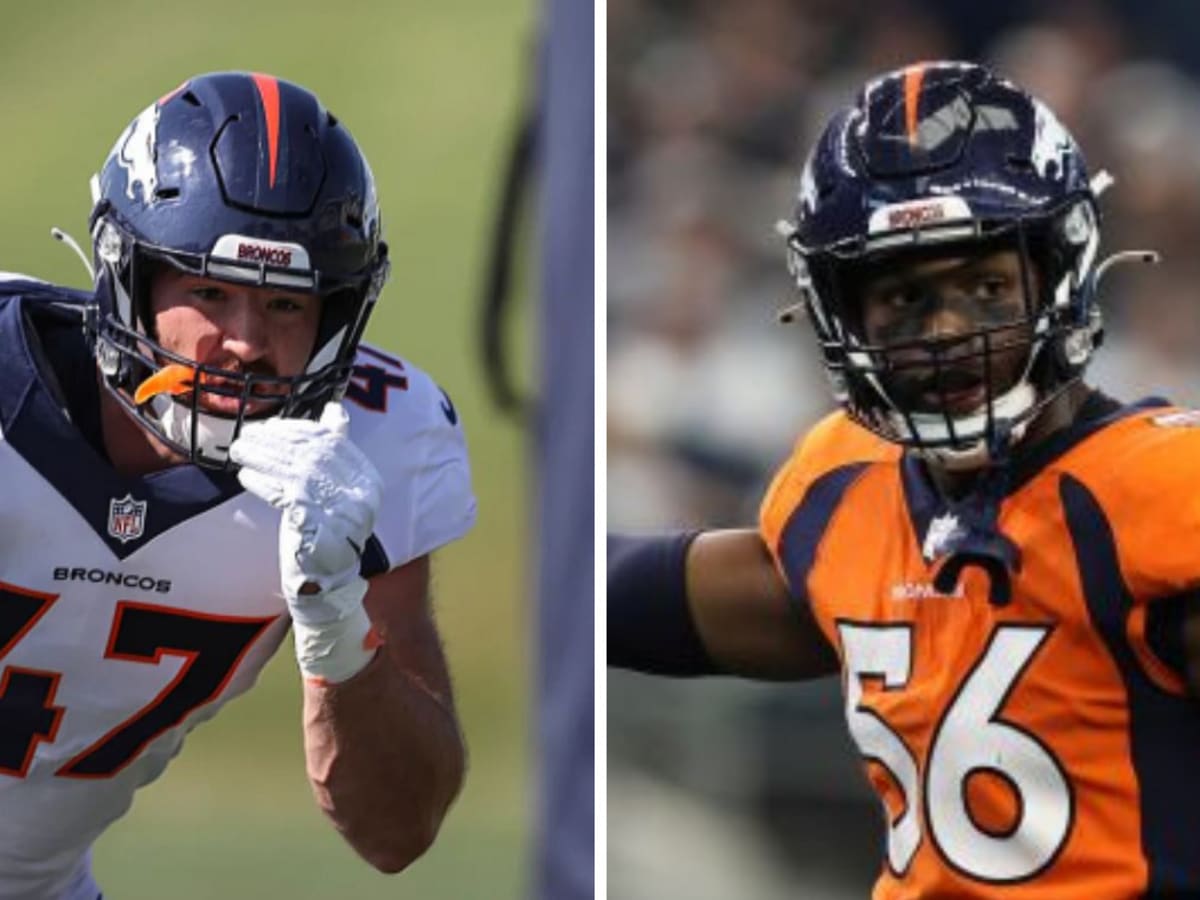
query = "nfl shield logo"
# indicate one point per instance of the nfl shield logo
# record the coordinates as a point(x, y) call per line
point(126, 518)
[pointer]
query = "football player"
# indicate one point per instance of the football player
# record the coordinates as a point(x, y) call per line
point(998, 558)
point(199, 454)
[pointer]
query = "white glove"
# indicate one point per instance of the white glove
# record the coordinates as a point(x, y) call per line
point(329, 493)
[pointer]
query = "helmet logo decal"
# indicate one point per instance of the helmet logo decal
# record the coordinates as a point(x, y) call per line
point(1051, 141)
point(268, 92)
point(913, 78)
point(135, 152)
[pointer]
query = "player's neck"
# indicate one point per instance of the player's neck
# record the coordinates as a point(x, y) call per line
point(131, 449)
point(1058, 414)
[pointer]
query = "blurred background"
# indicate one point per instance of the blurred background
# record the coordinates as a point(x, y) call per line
point(720, 789)
point(430, 89)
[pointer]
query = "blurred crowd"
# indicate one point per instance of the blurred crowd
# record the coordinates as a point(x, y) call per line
point(711, 109)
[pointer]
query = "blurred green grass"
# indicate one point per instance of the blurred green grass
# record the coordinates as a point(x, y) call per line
point(430, 90)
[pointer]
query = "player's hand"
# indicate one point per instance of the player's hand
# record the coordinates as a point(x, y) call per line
point(328, 493)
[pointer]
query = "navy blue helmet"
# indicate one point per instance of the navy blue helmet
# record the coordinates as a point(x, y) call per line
point(245, 178)
point(936, 158)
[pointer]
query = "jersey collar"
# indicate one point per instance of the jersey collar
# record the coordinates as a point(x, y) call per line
point(37, 427)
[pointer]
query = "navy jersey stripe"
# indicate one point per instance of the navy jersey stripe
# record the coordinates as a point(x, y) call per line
point(807, 524)
point(1164, 729)
point(920, 496)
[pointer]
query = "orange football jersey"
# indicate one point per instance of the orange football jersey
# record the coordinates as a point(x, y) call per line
point(1033, 749)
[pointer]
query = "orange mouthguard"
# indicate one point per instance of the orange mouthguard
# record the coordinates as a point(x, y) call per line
point(172, 379)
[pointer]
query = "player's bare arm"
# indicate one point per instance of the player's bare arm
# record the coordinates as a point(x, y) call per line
point(384, 749)
point(744, 615)
point(384, 752)
point(708, 604)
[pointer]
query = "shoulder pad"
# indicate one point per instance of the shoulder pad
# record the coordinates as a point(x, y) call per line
point(14, 284)
point(832, 443)
point(1143, 472)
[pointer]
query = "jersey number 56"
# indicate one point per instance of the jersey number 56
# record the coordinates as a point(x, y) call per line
point(971, 737)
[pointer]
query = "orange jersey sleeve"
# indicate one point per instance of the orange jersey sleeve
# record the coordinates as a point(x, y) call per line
point(1147, 479)
point(835, 443)
point(1141, 485)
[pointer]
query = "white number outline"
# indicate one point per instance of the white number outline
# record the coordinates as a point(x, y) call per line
point(897, 859)
point(853, 676)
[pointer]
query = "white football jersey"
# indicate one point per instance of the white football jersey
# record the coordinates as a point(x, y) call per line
point(132, 609)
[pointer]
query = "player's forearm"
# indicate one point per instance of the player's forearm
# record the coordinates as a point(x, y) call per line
point(742, 611)
point(704, 604)
point(385, 760)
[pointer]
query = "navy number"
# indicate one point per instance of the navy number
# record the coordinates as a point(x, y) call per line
point(212, 647)
point(369, 384)
point(28, 715)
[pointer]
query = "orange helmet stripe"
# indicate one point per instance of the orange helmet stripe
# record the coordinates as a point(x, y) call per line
point(268, 91)
point(167, 96)
point(913, 78)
